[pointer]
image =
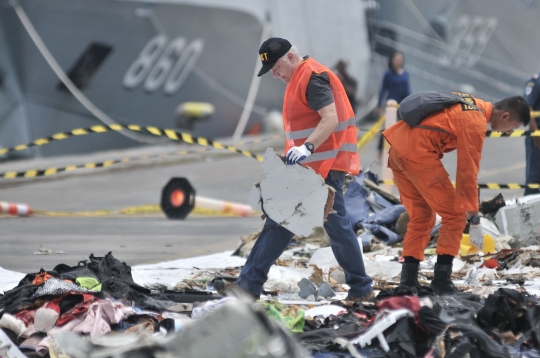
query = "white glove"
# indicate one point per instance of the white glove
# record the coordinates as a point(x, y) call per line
point(296, 154)
point(476, 235)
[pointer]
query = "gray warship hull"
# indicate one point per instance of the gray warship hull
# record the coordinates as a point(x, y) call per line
point(138, 61)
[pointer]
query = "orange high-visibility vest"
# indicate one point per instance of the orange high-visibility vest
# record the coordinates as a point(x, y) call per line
point(338, 152)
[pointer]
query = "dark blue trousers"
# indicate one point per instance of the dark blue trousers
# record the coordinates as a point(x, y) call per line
point(274, 239)
point(532, 171)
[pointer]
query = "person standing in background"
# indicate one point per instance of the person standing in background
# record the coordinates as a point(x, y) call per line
point(350, 84)
point(396, 85)
point(532, 144)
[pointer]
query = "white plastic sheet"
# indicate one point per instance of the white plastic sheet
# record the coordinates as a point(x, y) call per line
point(324, 311)
point(382, 268)
point(171, 272)
point(9, 279)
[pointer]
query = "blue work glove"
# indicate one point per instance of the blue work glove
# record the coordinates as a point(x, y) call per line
point(296, 154)
point(476, 235)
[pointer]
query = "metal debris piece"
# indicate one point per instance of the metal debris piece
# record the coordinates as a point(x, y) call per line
point(292, 195)
point(521, 220)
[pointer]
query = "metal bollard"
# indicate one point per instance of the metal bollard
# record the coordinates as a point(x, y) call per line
point(178, 199)
point(223, 206)
point(391, 119)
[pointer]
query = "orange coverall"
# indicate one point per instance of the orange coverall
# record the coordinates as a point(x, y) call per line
point(423, 183)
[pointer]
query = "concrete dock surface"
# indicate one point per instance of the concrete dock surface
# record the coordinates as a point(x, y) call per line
point(143, 239)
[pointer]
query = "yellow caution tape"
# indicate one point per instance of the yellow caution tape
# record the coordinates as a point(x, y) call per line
point(486, 185)
point(133, 210)
point(33, 173)
point(366, 138)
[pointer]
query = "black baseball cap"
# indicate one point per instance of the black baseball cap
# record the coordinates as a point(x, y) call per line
point(272, 50)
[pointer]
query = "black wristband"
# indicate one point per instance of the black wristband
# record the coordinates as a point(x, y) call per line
point(310, 146)
point(475, 220)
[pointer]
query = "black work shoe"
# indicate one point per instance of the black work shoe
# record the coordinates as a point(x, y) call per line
point(442, 281)
point(409, 278)
point(228, 288)
point(221, 286)
point(370, 297)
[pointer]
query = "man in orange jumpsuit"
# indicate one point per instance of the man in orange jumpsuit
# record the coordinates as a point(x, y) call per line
point(425, 188)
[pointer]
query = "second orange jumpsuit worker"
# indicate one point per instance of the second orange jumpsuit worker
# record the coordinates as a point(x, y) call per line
point(425, 187)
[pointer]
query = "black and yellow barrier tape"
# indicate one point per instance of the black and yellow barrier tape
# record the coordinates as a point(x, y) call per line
point(487, 185)
point(170, 133)
point(489, 134)
point(516, 133)
point(33, 173)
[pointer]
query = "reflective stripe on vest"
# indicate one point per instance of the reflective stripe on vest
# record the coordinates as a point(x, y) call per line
point(304, 133)
point(346, 147)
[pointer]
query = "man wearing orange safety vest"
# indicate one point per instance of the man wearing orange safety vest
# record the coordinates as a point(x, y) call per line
point(425, 188)
point(320, 132)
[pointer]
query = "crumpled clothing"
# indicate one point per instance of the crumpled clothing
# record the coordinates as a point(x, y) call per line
point(461, 335)
point(502, 310)
point(321, 336)
point(96, 322)
point(109, 267)
point(199, 312)
point(19, 292)
point(57, 287)
point(47, 315)
point(16, 325)
point(26, 316)
point(41, 277)
point(410, 302)
point(457, 308)
point(145, 328)
point(291, 316)
point(388, 216)
point(356, 204)
point(82, 306)
point(383, 224)
point(382, 233)
point(89, 283)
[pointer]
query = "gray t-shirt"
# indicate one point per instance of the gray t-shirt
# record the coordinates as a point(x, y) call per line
point(319, 92)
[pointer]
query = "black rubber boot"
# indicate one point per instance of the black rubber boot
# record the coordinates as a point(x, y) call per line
point(442, 281)
point(409, 278)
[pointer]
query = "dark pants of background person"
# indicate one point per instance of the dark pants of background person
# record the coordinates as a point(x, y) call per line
point(532, 171)
point(274, 239)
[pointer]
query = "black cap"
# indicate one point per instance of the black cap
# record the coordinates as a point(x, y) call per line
point(272, 50)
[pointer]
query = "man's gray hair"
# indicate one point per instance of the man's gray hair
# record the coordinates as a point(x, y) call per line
point(294, 51)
